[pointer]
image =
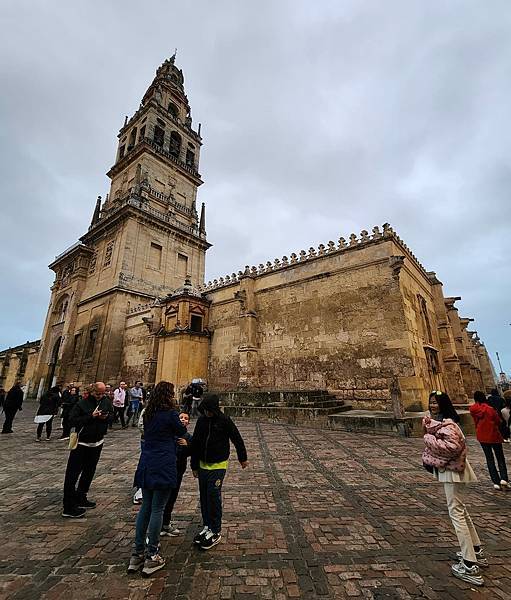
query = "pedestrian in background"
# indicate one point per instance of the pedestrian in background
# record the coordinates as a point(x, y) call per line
point(136, 398)
point(48, 408)
point(119, 402)
point(12, 404)
point(69, 398)
point(488, 433)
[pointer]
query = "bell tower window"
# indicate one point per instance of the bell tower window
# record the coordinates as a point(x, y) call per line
point(175, 144)
point(133, 137)
point(159, 135)
point(190, 158)
point(173, 110)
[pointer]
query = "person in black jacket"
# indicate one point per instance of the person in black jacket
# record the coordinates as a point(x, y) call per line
point(90, 418)
point(209, 452)
point(69, 398)
point(48, 408)
point(12, 404)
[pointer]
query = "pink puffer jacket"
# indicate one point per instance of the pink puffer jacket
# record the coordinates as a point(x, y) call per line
point(445, 445)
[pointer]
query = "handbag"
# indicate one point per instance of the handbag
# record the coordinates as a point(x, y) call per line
point(74, 436)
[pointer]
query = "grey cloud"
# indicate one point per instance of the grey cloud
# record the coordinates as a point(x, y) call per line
point(319, 119)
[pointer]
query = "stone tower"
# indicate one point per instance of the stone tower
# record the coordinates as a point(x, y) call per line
point(143, 241)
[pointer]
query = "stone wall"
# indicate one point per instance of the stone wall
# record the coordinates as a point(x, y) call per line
point(335, 322)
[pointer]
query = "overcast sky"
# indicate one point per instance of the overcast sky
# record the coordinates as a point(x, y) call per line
point(319, 119)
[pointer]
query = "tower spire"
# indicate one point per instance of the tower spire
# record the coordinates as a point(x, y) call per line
point(97, 210)
point(202, 222)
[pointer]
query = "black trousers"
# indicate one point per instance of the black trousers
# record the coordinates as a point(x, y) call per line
point(210, 492)
point(66, 427)
point(119, 412)
point(169, 507)
point(40, 428)
point(82, 463)
point(10, 413)
point(489, 450)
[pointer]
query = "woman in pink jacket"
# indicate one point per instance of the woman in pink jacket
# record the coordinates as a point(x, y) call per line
point(445, 455)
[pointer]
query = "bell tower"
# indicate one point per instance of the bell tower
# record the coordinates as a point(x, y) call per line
point(144, 240)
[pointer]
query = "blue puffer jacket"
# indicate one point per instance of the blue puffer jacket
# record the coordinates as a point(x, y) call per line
point(157, 465)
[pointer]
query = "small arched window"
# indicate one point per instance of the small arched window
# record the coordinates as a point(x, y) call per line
point(173, 110)
point(60, 311)
point(175, 144)
point(133, 137)
point(190, 158)
point(159, 135)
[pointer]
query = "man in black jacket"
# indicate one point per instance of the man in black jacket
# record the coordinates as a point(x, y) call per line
point(12, 404)
point(90, 418)
point(209, 452)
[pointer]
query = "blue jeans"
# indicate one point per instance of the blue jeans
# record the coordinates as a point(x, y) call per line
point(149, 521)
point(210, 490)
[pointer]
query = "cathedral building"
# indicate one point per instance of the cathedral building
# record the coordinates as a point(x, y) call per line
point(350, 318)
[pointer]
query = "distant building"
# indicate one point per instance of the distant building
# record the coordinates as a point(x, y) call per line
point(129, 299)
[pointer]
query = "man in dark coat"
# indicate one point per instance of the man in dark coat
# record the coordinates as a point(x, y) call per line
point(90, 418)
point(12, 403)
point(48, 407)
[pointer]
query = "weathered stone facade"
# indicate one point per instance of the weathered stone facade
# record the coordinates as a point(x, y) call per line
point(349, 319)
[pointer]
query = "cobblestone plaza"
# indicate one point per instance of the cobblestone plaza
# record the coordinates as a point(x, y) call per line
point(318, 514)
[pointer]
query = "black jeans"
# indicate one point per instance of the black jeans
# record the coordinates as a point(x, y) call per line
point(210, 490)
point(119, 412)
point(66, 427)
point(40, 428)
point(81, 464)
point(489, 450)
point(10, 413)
point(169, 507)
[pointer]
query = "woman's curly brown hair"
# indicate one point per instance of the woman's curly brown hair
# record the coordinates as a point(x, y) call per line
point(161, 398)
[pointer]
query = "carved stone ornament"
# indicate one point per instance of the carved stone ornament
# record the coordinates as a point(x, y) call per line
point(396, 263)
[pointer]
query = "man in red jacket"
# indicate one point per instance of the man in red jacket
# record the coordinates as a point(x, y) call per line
point(487, 423)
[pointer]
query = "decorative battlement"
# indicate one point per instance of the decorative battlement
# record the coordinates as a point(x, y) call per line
point(140, 308)
point(303, 256)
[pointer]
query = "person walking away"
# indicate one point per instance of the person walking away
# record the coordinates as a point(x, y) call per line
point(12, 404)
point(90, 418)
point(120, 402)
point(209, 453)
point(48, 408)
point(182, 453)
point(136, 398)
point(445, 455)
point(156, 475)
point(69, 399)
point(488, 423)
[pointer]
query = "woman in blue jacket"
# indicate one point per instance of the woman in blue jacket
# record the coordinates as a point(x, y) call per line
point(156, 475)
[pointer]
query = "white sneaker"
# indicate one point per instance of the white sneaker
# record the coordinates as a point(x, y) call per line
point(468, 574)
point(496, 486)
point(504, 484)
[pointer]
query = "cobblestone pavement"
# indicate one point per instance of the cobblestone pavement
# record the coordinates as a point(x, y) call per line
point(319, 514)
